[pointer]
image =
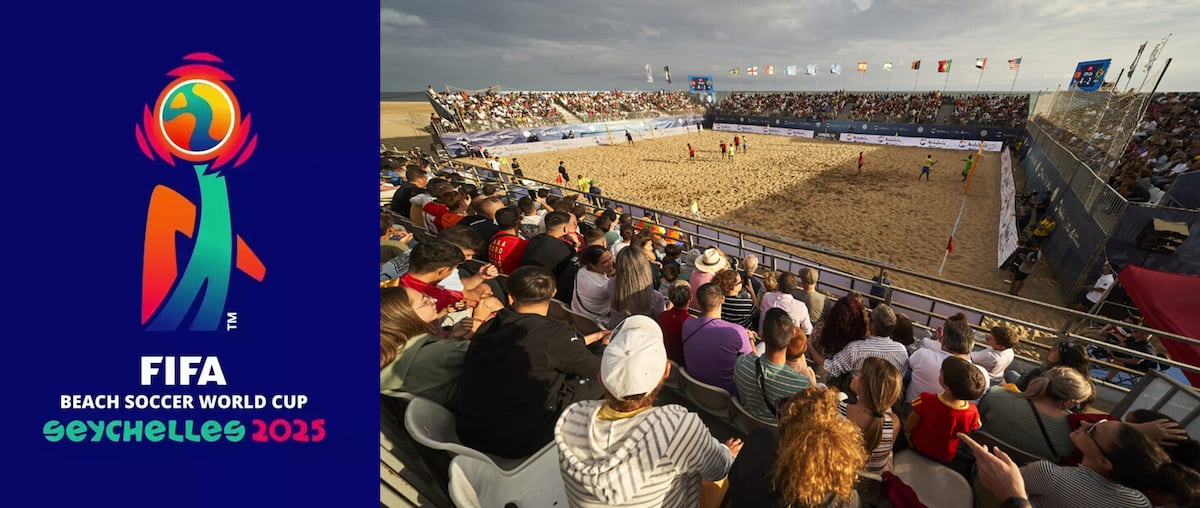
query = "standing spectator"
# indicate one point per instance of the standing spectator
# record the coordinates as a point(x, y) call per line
point(711, 345)
point(879, 289)
point(494, 164)
point(1029, 261)
point(624, 451)
point(763, 381)
point(516, 168)
point(522, 370)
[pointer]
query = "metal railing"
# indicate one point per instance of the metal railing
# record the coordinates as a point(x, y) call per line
point(739, 240)
point(1103, 203)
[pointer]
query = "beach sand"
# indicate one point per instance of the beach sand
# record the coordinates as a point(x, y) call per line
point(402, 124)
point(810, 190)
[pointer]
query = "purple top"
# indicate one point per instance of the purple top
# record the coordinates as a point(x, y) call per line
point(711, 348)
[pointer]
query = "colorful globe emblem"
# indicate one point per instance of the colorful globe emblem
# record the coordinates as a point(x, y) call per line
point(196, 118)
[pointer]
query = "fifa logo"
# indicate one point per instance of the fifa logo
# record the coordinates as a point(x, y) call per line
point(197, 122)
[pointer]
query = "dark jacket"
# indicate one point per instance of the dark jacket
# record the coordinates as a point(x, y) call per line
point(519, 374)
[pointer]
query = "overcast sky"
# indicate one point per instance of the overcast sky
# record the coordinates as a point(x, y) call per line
point(604, 45)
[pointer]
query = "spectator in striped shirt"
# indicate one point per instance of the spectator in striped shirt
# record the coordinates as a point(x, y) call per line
point(762, 381)
point(741, 305)
point(878, 385)
point(878, 344)
point(622, 451)
point(1118, 462)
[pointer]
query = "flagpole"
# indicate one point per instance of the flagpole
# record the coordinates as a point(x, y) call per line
point(918, 78)
point(980, 77)
point(947, 83)
point(889, 82)
point(1014, 83)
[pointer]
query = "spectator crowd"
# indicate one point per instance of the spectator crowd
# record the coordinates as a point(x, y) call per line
point(932, 107)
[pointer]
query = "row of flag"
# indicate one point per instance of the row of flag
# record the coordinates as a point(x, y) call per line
point(666, 74)
point(811, 69)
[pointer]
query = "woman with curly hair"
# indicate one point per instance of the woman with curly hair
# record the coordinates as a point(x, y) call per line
point(844, 323)
point(812, 461)
point(741, 306)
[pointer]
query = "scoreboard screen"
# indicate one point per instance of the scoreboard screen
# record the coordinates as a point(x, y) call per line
point(700, 83)
point(1089, 75)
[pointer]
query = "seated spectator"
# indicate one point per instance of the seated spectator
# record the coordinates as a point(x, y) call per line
point(937, 418)
point(392, 243)
point(484, 222)
point(1138, 341)
point(592, 293)
point(415, 179)
point(878, 386)
point(711, 345)
point(998, 354)
point(846, 322)
point(627, 233)
point(747, 273)
point(706, 265)
point(531, 223)
point(456, 205)
point(1119, 463)
point(679, 293)
point(632, 288)
point(789, 468)
point(741, 305)
point(903, 333)
point(1035, 420)
point(670, 274)
point(413, 358)
point(926, 363)
point(763, 381)
point(506, 246)
point(624, 451)
point(780, 286)
point(1065, 353)
point(877, 344)
point(552, 250)
point(522, 370)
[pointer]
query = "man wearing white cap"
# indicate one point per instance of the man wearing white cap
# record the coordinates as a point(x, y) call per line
point(622, 451)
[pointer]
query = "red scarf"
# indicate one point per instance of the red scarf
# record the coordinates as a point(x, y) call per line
point(445, 297)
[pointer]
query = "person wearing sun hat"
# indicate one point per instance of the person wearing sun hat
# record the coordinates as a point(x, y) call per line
point(623, 451)
point(706, 267)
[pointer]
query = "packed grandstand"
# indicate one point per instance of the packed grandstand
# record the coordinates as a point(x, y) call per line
point(502, 297)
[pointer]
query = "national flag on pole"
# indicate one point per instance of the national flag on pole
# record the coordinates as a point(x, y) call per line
point(916, 65)
point(734, 71)
point(835, 69)
point(887, 66)
point(770, 70)
point(1014, 64)
point(944, 65)
point(1133, 65)
point(667, 73)
point(649, 74)
point(810, 70)
point(752, 71)
point(862, 66)
point(980, 63)
point(790, 70)
point(950, 245)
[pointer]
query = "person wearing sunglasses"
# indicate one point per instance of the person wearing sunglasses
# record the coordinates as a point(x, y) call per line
point(1119, 463)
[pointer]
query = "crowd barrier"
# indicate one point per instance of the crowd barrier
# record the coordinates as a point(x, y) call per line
point(617, 137)
point(948, 144)
point(763, 129)
point(590, 132)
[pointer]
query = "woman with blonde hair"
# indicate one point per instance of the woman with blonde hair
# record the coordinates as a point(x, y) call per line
point(812, 460)
point(878, 385)
point(1035, 421)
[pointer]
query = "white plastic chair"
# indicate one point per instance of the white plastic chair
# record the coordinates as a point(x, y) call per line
point(475, 483)
point(433, 426)
point(712, 399)
point(936, 485)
